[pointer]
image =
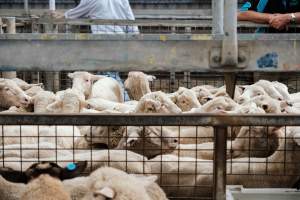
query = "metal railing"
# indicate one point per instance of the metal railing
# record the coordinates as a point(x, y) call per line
point(220, 124)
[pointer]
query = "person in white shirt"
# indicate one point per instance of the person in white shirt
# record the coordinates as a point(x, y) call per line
point(104, 9)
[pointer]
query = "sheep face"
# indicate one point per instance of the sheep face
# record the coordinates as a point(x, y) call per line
point(203, 94)
point(110, 183)
point(148, 141)
point(250, 92)
point(186, 99)
point(83, 81)
point(108, 136)
point(254, 142)
point(268, 104)
point(157, 102)
point(12, 94)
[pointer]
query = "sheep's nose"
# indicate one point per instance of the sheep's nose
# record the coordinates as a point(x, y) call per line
point(241, 100)
point(265, 107)
point(175, 141)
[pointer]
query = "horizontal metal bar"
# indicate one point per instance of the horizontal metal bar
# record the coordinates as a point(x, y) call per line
point(150, 120)
point(139, 13)
point(126, 52)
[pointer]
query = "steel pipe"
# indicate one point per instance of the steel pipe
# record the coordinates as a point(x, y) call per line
point(218, 17)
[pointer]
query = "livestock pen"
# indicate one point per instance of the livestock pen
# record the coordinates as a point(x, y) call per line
point(194, 43)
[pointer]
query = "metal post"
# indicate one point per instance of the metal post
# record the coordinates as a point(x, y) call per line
point(1, 24)
point(218, 15)
point(26, 7)
point(220, 145)
point(230, 43)
point(11, 29)
point(230, 82)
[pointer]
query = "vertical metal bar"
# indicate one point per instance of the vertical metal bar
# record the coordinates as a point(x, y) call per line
point(1, 25)
point(230, 82)
point(230, 44)
point(220, 145)
point(218, 17)
point(26, 7)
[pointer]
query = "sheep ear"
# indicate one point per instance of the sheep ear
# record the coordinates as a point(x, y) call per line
point(151, 78)
point(107, 192)
point(73, 170)
point(13, 176)
point(71, 75)
point(55, 107)
point(97, 77)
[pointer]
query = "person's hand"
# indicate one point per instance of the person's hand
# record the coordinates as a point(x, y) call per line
point(280, 21)
point(57, 15)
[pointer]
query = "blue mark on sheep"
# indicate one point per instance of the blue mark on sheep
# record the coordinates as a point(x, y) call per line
point(270, 60)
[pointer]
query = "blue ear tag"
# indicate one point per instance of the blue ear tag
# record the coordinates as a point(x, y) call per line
point(245, 7)
point(71, 166)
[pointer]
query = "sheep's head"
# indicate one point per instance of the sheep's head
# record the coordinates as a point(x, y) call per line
point(185, 99)
point(83, 81)
point(12, 94)
point(156, 102)
point(268, 104)
point(137, 84)
point(250, 92)
point(255, 141)
point(105, 136)
point(203, 94)
point(148, 141)
point(37, 169)
point(110, 183)
point(71, 101)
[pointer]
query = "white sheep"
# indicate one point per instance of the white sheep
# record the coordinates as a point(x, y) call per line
point(12, 95)
point(24, 85)
point(156, 102)
point(118, 185)
point(185, 99)
point(41, 100)
point(83, 81)
point(137, 84)
point(63, 136)
point(68, 101)
point(203, 94)
point(102, 104)
point(148, 141)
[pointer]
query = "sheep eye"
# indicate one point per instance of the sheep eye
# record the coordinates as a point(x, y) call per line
point(87, 80)
point(88, 106)
point(6, 89)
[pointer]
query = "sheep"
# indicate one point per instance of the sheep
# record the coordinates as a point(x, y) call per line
point(34, 90)
point(15, 109)
point(69, 101)
point(218, 103)
point(250, 142)
point(148, 141)
point(117, 185)
point(102, 104)
point(185, 99)
point(12, 95)
point(268, 104)
point(250, 92)
point(203, 94)
point(41, 100)
point(124, 160)
point(37, 150)
point(43, 181)
point(10, 134)
point(137, 84)
point(24, 85)
point(83, 81)
point(156, 102)
point(109, 89)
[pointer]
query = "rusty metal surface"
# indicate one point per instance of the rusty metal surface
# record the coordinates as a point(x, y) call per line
point(151, 120)
point(220, 143)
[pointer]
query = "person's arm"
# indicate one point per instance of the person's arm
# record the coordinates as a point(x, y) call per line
point(254, 16)
point(281, 21)
point(80, 11)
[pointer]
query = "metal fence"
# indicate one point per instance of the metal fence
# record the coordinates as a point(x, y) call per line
point(268, 156)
